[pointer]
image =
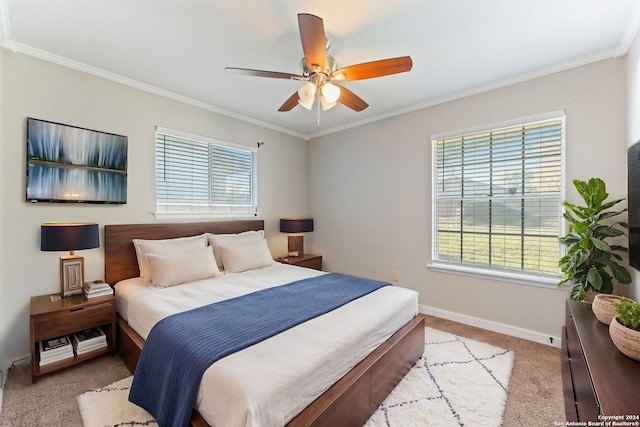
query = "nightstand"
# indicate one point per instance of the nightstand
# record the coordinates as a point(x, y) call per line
point(304, 260)
point(51, 319)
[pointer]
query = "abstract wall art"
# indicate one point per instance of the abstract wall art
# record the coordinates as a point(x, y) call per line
point(69, 164)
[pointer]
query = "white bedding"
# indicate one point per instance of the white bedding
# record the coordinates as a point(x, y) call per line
point(269, 383)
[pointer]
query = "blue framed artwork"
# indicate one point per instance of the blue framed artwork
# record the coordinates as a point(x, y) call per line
point(69, 164)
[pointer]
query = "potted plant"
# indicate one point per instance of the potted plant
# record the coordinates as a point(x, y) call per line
point(591, 263)
point(603, 307)
point(625, 328)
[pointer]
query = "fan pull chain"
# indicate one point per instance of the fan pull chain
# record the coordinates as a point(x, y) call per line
point(318, 98)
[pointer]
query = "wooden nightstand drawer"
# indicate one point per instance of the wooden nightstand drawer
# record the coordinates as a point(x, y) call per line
point(315, 263)
point(65, 322)
point(306, 260)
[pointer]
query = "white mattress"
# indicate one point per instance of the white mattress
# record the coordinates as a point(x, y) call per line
point(269, 383)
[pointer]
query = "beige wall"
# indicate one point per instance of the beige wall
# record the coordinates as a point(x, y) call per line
point(35, 88)
point(370, 191)
point(368, 188)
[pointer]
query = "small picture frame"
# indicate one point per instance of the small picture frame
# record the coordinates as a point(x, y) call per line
point(71, 275)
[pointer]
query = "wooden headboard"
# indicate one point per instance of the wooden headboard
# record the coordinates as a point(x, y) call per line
point(120, 260)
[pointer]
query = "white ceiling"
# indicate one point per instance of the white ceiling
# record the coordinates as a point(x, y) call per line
point(179, 48)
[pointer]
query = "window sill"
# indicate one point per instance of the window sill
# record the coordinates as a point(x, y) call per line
point(548, 282)
point(200, 215)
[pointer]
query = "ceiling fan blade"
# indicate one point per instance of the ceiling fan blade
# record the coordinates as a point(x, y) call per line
point(351, 100)
point(262, 73)
point(368, 70)
point(290, 103)
point(314, 43)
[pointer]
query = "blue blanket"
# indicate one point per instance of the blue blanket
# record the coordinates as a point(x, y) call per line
point(182, 346)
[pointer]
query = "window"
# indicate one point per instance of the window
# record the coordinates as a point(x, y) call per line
point(497, 200)
point(199, 175)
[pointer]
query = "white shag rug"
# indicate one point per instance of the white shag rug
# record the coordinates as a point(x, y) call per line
point(110, 407)
point(457, 382)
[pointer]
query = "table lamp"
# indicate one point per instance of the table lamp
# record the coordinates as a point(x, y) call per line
point(295, 227)
point(70, 237)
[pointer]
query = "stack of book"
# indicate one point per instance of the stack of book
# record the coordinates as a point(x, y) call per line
point(97, 289)
point(55, 350)
point(89, 340)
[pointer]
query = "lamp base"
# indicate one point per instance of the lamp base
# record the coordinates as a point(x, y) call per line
point(295, 243)
point(71, 275)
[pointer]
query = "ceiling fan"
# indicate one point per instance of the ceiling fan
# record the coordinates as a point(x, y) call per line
point(320, 71)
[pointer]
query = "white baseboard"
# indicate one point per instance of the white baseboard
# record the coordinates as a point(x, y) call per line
point(501, 328)
point(24, 359)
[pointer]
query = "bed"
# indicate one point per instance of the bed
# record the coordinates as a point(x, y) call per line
point(349, 401)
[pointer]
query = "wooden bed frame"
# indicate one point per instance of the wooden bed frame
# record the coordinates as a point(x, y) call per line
point(349, 402)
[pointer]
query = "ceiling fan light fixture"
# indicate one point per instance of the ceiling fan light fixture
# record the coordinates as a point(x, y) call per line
point(330, 92)
point(307, 93)
point(326, 105)
point(308, 103)
point(319, 69)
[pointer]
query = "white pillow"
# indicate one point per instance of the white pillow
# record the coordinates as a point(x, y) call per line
point(166, 246)
point(216, 240)
point(242, 256)
point(176, 268)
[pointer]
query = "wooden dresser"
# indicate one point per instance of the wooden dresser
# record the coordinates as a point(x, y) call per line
point(597, 379)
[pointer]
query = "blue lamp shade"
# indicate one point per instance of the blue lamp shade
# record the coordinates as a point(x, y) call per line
point(69, 236)
point(296, 225)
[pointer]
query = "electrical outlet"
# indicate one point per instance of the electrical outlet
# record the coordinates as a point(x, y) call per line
point(396, 275)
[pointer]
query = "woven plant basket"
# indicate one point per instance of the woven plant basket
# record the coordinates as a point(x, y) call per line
point(603, 307)
point(625, 339)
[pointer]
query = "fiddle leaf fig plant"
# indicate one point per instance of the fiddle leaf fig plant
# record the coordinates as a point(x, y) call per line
point(591, 262)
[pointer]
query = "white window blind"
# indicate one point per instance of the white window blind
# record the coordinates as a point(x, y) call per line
point(497, 198)
point(199, 175)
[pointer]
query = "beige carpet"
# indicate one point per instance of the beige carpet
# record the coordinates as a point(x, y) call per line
point(534, 398)
point(52, 402)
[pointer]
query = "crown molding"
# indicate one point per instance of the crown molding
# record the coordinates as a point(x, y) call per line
point(629, 33)
point(585, 60)
point(27, 50)
point(66, 62)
